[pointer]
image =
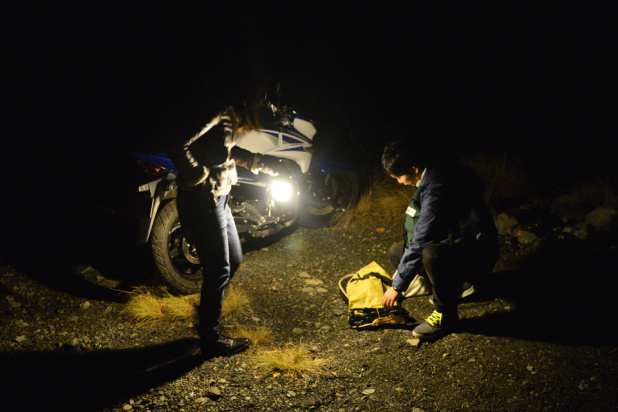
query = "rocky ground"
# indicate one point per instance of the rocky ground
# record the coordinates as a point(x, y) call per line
point(538, 335)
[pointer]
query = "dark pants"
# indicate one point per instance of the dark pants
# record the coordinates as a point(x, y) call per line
point(211, 228)
point(448, 266)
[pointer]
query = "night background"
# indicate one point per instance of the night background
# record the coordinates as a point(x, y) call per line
point(87, 85)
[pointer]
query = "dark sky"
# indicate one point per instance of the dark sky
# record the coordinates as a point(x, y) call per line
point(88, 81)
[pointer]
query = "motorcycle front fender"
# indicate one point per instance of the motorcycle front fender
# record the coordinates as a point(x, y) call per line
point(159, 193)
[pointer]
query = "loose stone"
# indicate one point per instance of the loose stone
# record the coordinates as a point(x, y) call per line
point(414, 342)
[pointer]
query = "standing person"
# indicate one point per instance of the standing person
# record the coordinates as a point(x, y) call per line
point(206, 165)
point(450, 237)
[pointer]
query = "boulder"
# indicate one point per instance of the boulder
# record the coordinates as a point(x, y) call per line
point(602, 220)
point(568, 210)
point(580, 232)
point(505, 223)
point(524, 235)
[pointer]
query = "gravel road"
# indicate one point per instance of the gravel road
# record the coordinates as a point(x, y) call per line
point(538, 335)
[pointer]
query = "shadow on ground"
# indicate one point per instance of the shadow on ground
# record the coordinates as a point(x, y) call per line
point(50, 241)
point(89, 381)
point(564, 293)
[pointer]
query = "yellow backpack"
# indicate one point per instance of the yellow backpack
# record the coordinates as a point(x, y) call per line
point(363, 291)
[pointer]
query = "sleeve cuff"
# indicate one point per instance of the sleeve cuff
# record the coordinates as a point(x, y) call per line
point(255, 165)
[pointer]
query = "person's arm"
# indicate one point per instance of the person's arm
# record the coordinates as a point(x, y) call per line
point(244, 158)
point(257, 162)
point(431, 227)
point(190, 172)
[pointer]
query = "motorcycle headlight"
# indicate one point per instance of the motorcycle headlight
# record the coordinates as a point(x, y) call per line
point(281, 191)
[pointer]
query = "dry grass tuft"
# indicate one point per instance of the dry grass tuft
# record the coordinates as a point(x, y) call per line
point(144, 307)
point(235, 303)
point(259, 335)
point(383, 202)
point(292, 360)
point(147, 305)
point(181, 308)
point(150, 305)
point(504, 177)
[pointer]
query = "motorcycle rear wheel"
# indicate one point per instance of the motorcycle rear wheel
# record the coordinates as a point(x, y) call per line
point(177, 264)
point(320, 205)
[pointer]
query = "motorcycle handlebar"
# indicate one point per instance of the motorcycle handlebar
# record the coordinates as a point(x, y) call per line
point(284, 114)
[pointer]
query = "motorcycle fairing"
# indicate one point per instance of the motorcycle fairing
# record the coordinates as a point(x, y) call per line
point(159, 159)
point(289, 145)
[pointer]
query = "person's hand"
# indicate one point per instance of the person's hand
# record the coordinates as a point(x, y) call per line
point(270, 165)
point(389, 298)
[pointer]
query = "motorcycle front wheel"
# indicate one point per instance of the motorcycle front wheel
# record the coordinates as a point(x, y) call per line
point(322, 200)
point(176, 261)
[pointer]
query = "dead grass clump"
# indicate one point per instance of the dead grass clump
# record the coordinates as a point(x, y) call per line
point(293, 360)
point(147, 305)
point(504, 177)
point(144, 307)
point(181, 308)
point(383, 202)
point(235, 303)
point(259, 335)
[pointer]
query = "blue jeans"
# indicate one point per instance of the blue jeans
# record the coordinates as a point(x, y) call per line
point(210, 227)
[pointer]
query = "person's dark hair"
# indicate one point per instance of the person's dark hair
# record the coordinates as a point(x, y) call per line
point(245, 115)
point(400, 156)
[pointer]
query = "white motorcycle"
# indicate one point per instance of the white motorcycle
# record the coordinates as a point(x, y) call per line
point(313, 189)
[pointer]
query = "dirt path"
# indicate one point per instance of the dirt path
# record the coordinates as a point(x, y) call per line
point(531, 339)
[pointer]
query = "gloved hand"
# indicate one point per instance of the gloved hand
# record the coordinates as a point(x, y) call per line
point(270, 165)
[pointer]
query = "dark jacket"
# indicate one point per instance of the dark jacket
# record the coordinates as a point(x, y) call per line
point(207, 161)
point(447, 207)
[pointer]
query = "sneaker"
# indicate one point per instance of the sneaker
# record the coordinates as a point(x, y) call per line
point(223, 346)
point(436, 325)
point(466, 289)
